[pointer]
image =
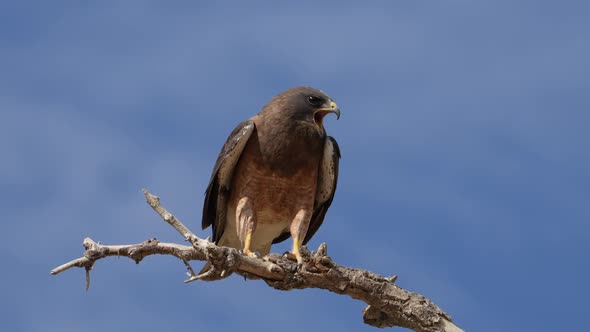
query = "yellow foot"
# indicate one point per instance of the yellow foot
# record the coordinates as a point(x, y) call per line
point(249, 253)
point(248, 242)
point(294, 257)
point(296, 251)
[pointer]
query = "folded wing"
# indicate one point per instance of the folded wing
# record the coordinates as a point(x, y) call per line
point(218, 190)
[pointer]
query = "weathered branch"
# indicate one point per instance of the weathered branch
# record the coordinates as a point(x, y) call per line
point(388, 304)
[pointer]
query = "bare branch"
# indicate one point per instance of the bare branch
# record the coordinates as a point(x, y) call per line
point(78, 262)
point(154, 202)
point(388, 304)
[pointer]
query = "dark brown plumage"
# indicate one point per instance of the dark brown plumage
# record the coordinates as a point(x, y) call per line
point(275, 176)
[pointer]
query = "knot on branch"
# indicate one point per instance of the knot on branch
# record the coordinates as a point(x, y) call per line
point(375, 317)
point(223, 259)
point(93, 250)
point(322, 250)
point(320, 261)
point(138, 252)
point(221, 263)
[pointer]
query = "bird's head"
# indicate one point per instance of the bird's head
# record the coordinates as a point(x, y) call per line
point(302, 106)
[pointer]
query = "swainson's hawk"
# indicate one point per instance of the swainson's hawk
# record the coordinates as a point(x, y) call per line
point(275, 176)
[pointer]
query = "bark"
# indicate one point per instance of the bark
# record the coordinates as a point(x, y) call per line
point(388, 304)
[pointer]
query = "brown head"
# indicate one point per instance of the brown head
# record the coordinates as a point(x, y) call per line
point(290, 128)
point(301, 107)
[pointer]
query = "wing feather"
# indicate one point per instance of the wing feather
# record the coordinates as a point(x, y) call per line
point(218, 190)
point(327, 181)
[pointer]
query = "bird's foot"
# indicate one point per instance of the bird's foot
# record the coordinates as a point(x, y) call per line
point(294, 257)
point(289, 255)
point(250, 253)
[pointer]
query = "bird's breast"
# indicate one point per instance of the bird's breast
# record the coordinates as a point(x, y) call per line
point(276, 188)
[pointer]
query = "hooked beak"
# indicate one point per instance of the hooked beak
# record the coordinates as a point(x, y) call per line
point(322, 112)
point(334, 109)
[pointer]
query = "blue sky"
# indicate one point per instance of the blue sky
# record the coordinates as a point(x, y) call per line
point(464, 135)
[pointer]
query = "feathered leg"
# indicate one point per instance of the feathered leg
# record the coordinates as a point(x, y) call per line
point(246, 224)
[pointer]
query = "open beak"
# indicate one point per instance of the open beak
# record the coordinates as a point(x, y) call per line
point(322, 112)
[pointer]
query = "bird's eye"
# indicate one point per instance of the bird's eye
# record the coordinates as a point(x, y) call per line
point(314, 100)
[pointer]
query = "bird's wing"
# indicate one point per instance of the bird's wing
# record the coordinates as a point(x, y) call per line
point(218, 191)
point(327, 180)
point(326, 187)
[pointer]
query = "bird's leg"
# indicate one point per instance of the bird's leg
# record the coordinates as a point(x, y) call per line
point(245, 222)
point(298, 230)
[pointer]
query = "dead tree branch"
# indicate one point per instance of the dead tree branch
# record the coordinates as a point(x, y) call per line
point(388, 304)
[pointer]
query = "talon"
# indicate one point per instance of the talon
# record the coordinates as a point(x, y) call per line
point(298, 267)
point(299, 259)
point(249, 253)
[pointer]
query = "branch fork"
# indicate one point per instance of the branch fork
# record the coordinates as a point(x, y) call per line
point(388, 304)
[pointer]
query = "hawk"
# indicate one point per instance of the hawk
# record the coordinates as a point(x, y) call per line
point(275, 176)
